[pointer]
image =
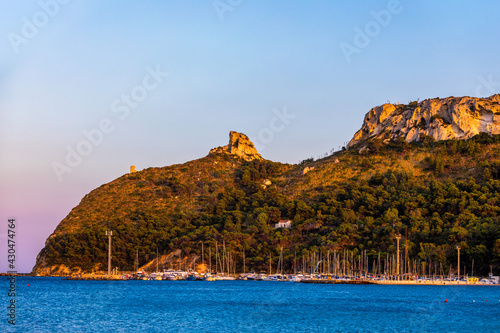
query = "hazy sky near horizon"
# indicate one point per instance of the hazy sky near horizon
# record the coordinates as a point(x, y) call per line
point(156, 83)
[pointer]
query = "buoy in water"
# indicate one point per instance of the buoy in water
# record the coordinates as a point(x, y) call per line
point(446, 301)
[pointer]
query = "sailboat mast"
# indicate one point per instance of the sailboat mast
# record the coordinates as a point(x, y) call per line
point(269, 263)
point(223, 255)
point(281, 260)
point(295, 263)
point(216, 257)
point(136, 260)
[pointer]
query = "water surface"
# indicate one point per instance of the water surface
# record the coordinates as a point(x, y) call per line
point(58, 305)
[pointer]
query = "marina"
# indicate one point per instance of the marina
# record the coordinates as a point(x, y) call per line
point(299, 278)
point(346, 268)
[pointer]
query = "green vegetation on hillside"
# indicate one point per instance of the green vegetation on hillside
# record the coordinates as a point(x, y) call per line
point(441, 194)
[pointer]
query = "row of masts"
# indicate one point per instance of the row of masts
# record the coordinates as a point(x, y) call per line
point(225, 261)
point(338, 263)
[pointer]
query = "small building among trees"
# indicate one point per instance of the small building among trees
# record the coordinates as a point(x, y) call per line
point(287, 224)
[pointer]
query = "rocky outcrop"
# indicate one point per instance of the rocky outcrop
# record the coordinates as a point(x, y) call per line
point(56, 270)
point(306, 170)
point(441, 119)
point(239, 145)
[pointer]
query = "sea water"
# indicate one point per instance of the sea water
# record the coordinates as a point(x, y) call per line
point(59, 305)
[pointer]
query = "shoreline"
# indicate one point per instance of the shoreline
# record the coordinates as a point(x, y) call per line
point(94, 277)
point(318, 279)
point(399, 283)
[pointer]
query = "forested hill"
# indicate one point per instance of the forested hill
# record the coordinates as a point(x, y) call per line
point(441, 194)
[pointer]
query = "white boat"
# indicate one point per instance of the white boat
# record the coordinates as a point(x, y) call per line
point(156, 276)
point(270, 278)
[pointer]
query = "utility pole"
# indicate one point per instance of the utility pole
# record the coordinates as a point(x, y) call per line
point(458, 272)
point(109, 234)
point(398, 237)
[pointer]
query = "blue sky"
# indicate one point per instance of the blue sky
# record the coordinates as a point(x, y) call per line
point(229, 70)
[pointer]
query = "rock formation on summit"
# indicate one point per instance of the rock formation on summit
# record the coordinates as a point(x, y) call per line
point(240, 145)
point(441, 119)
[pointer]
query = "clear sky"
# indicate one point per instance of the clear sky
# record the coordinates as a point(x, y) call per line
point(160, 82)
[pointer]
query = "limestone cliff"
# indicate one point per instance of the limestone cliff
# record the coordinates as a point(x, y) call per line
point(240, 145)
point(442, 119)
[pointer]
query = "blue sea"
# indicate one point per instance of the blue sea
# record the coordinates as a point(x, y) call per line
point(58, 305)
